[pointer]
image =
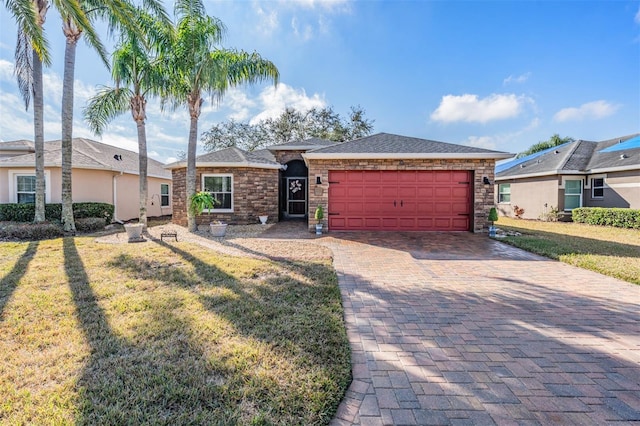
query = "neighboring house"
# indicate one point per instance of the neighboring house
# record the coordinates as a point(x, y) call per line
point(379, 182)
point(101, 173)
point(575, 174)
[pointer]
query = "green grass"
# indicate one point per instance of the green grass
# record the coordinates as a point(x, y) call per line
point(166, 334)
point(607, 250)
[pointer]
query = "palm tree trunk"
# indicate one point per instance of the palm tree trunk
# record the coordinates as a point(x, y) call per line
point(195, 103)
point(138, 111)
point(72, 35)
point(38, 130)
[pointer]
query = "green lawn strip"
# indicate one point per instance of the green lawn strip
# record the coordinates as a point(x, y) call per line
point(610, 251)
point(170, 334)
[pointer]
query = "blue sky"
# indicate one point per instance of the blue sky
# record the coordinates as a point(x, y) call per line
point(501, 75)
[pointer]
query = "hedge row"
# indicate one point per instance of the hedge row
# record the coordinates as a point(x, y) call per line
point(616, 217)
point(27, 212)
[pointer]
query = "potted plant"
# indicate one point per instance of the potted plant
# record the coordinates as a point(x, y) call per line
point(204, 200)
point(493, 217)
point(134, 232)
point(319, 216)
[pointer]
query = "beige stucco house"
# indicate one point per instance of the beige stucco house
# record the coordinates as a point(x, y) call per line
point(379, 182)
point(575, 174)
point(101, 173)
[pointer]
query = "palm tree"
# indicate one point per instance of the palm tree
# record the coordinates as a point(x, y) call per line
point(29, 57)
point(118, 14)
point(136, 74)
point(198, 67)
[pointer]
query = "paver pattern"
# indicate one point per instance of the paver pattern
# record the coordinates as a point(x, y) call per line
point(456, 328)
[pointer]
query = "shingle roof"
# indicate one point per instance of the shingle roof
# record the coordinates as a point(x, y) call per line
point(616, 153)
point(89, 154)
point(573, 157)
point(17, 145)
point(230, 157)
point(303, 145)
point(385, 145)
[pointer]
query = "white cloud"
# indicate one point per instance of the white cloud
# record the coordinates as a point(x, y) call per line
point(637, 17)
point(6, 71)
point(336, 6)
point(516, 78)
point(273, 101)
point(469, 108)
point(239, 103)
point(268, 21)
point(590, 110)
point(301, 31)
point(504, 141)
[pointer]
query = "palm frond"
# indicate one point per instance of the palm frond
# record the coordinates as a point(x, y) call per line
point(23, 68)
point(107, 104)
point(29, 22)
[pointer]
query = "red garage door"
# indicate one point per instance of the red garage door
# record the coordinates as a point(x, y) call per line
point(415, 200)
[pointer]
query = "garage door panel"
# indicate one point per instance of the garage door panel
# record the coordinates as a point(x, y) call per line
point(399, 200)
point(407, 192)
point(388, 192)
point(460, 192)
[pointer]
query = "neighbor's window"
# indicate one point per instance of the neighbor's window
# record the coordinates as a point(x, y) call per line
point(25, 189)
point(572, 194)
point(164, 194)
point(597, 188)
point(221, 187)
point(504, 193)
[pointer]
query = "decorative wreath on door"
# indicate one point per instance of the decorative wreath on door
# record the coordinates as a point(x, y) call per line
point(295, 186)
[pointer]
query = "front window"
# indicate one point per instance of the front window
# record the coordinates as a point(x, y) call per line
point(504, 193)
point(25, 189)
point(572, 194)
point(221, 187)
point(597, 188)
point(164, 195)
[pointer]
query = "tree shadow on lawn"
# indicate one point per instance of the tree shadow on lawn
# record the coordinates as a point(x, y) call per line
point(162, 378)
point(9, 282)
point(300, 366)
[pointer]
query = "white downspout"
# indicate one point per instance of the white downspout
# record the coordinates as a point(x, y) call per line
point(115, 199)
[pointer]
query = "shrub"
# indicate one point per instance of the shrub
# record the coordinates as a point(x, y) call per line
point(518, 211)
point(25, 212)
point(31, 231)
point(90, 224)
point(616, 217)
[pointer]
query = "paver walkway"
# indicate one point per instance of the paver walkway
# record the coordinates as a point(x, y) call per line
point(454, 328)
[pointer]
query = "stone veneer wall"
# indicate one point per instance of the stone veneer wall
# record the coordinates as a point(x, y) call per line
point(482, 193)
point(283, 157)
point(255, 192)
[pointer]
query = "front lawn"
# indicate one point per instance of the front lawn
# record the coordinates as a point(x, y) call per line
point(607, 250)
point(157, 333)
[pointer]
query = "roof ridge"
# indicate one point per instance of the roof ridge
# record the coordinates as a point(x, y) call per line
point(88, 142)
point(570, 153)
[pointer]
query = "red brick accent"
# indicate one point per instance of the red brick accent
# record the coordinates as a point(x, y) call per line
point(482, 193)
point(255, 193)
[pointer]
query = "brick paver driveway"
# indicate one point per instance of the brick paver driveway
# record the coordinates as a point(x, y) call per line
point(457, 328)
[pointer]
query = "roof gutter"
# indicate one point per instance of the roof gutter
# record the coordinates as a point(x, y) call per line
point(541, 174)
point(183, 164)
point(406, 156)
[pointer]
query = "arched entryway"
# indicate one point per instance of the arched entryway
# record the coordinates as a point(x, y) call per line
point(294, 190)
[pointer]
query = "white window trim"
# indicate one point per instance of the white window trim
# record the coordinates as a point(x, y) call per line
point(581, 195)
point(168, 195)
point(13, 183)
point(504, 202)
point(232, 192)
